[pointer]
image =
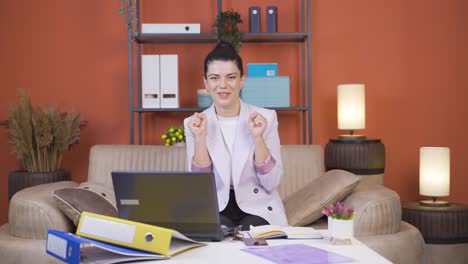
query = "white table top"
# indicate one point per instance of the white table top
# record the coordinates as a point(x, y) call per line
point(230, 251)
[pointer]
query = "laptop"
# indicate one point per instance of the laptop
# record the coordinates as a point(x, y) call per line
point(183, 201)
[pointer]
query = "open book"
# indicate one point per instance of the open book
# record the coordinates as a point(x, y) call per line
point(289, 232)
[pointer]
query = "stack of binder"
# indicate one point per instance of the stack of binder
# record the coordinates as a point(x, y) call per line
point(74, 249)
point(102, 238)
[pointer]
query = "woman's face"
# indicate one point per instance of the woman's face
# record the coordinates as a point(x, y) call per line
point(224, 83)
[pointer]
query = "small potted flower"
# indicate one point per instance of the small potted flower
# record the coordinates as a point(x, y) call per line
point(174, 136)
point(340, 222)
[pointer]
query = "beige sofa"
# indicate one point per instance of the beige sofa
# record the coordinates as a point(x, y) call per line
point(378, 211)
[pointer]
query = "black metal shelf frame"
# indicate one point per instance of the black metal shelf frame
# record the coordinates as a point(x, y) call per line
point(136, 39)
point(199, 109)
point(211, 37)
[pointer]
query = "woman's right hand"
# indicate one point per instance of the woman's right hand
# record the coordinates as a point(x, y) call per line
point(198, 125)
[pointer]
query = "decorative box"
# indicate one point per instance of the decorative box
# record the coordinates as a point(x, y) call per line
point(266, 91)
point(262, 69)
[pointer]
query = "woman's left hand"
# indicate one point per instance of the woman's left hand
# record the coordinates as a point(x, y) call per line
point(257, 124)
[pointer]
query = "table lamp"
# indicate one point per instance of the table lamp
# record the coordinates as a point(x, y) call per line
point(355, 153)
point(434, 175)
point(351, 109)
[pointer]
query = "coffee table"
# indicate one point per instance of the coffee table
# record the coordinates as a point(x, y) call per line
point(229, 251)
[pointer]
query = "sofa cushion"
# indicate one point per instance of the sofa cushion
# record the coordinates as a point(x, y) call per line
point(33, 211)
point(90, 197)
point(305, 206)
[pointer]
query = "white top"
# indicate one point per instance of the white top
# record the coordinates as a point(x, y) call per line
point(228, 127)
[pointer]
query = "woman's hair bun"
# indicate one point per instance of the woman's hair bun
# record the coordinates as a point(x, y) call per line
point(225, 45)
point(224, 51)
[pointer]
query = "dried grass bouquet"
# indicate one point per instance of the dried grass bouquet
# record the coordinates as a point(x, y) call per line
point(39, 136)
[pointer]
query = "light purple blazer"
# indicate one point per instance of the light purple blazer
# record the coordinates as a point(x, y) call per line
point(255, 193)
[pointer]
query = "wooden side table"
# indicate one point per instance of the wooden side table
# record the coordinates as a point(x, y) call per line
point(438, 225)
point(363, 157)
point(445, 230)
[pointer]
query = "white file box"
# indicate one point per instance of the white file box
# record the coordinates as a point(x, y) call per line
point(169, 82)
point(150, 81)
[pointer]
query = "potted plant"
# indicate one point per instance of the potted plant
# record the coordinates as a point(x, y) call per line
point(174, 136)
point(39, 137)
point(340, 222)
point(227, 30)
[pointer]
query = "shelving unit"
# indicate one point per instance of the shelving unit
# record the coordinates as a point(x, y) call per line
point(136, 39)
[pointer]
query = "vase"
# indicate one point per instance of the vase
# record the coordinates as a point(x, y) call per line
point(19, 180)
point(204, 98)
point(178, 144)
point(340, 229)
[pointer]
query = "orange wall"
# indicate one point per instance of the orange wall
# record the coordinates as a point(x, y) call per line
point(410, 54)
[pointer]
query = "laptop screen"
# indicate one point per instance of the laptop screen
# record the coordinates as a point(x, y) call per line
point(184, 201)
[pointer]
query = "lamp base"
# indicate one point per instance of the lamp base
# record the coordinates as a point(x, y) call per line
point(351, 137)
point(434, 203)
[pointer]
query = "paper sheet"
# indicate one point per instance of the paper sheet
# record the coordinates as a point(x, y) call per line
point(297, 253)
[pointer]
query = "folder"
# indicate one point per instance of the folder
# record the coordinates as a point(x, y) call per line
point(169, 81)
point(74, 249)
point(133, 234)
point(150, 81)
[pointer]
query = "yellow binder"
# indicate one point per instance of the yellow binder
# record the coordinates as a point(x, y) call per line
point(132, 234)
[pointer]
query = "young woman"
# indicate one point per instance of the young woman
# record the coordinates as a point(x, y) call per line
point(239, 143)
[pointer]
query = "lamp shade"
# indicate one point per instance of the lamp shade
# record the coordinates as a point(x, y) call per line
point(351, 106)
point(434, 171)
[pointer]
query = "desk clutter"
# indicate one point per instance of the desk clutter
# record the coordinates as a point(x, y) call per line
point(71, 248)
point(104, 239)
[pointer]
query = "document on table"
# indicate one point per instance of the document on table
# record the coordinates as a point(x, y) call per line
point(297, 253)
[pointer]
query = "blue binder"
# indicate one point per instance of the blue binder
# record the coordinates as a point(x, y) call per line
point(254, 19)
point(272, 18)
point(71, 248)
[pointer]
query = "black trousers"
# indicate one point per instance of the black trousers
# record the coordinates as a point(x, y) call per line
point(233, 216)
